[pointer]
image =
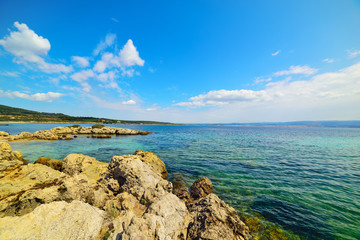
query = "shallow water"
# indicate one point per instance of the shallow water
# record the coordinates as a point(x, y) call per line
point(305, 179)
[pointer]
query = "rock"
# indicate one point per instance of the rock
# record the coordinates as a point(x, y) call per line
point(23, 135)
point(22, 181)
point(68, 138)
point(158, 165)
point(5, 146)
point(84, 130)
point(201, 188)
point(138, 178)
point(63, 130)
point(4, 134)
point(9, 160)
point(166, 219)
point(53, 163)
point(46, 135)
point(57, 220)
point(181, 192)
point(79, 163)
point(213, 219)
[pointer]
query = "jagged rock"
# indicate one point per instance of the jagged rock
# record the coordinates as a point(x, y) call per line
point(57, 221)
point(138, 178)
point(213, 219)
point(201, 188)
point(79, 163)
point(154, 161)
point(68, 138)
point(53, 163)
point(46, 135)
point(181, 192)
point(165, 219)
point(5, 146)
point(9, 160)
point(63, 130)
point(23, 135)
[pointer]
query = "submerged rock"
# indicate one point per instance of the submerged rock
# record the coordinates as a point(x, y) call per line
point(57, 221)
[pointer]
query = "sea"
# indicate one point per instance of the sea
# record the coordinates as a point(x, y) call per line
point(301, 182)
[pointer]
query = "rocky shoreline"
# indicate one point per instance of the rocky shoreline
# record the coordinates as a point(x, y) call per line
point(68, 133)
point(127, 198)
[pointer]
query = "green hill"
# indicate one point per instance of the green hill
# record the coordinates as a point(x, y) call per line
point(11, 114)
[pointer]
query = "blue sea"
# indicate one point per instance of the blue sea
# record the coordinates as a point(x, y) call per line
point(304, 180)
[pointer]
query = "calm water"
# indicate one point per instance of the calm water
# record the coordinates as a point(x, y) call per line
point(306, 180)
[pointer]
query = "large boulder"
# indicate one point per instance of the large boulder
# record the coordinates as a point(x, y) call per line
point(57, 220)
point(81, 164)
point(53, 163)
point(138, 178)
point(4, 134)
point(201, 188)
point(5, 146)
point(46, 135)
point(213, 219)
point(158, 165)
point(23, 136)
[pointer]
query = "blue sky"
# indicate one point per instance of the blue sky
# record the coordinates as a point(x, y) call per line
point(183, 61)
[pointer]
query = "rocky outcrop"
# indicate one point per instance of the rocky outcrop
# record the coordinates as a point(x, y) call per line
point(53, 163)
point(149, 157)
point(57, 221)
point(82, 198)
point(62, 133)
point(213, 219)
point(9, 160)
point(201, 188)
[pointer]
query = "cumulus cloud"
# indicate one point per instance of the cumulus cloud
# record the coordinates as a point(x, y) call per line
point(109, 41)
point(306, 70)
point(343, 85)
point(129, 56)
point(82, 77)
point(81, 61)
point(27, 46)
point(41, 97)
point(275, 53)
point(328, 60)
point(129, 102)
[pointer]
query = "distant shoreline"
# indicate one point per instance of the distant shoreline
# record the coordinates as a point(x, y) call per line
point(1, 122)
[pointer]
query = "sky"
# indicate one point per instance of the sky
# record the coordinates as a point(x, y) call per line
point(202, 61)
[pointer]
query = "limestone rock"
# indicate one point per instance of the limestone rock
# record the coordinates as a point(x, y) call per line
point(9, 160)
point(138, 178)
point(213, 219)
point(79, 163)
point(181, 192)
point(46, 135)
point(154, 161)
point(5, 146)
point(201, 188)
point(4, 134)
point(53, 163)
point(57, 220)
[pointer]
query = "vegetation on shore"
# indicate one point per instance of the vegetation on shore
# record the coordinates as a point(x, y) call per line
point(11, 114)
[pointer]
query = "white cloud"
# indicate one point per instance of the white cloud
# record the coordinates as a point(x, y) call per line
point(353, 53)
point(129, 102)
point(81, 61)
point(328, 60)
point(109, 80)
point(25, 43)
point(27, 46)
point(334, 94)
point(109, 41)
point(129, 56)
point(10, 74)
point(82, 77)
point(276, 53)
point(306, 70)
point(262, 80)
point(41, 97)
point(222, 97)
point(115, 20)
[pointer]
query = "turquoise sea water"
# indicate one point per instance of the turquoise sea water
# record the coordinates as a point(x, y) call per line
point(304, 179)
